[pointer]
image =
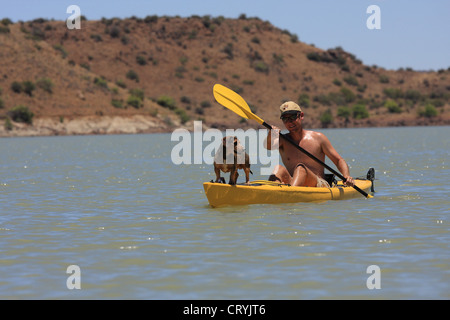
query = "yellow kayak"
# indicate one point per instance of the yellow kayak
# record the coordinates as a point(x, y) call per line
point(267, 192)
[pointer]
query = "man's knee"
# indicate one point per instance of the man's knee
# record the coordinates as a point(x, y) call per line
point(301, 166)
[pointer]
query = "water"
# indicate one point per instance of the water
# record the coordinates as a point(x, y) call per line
point(139, 227)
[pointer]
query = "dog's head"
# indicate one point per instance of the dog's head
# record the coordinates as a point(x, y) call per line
point(231, 144)
point(230, 148)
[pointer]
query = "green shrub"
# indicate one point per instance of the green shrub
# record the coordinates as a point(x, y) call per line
point(228, 49)
point(21, 114)
point(351, 80)
point(28, 87)
point(37, 33)
point(413, 95)
point(205, 104)
point(192, 34)
point(278, 58)
point(326, 118)
point(337, 82)
point(151, 19)
point(45, 84)
point(135, 102)
point(132, 75)
point(185, 99)
point(117, 103)
point(137, 93)
point(393, 93)
point(359, 111)
point(8, 124)
point(383, 78)
point(345, 68)
point(323, 99)
point(429, 111)
point(362, 88)
point(237, 89)
point(61, 49)
point(4, 29)
point(6, 21)
point(166, 102)
point(125, 40)
point(435, 102)
point(303, 100)
point(344, 112)
point(183, 115)
point(392, 106)
point(101, 83)
point(121, 84)
point(261, 66)
point(184, 60)
point(16, 87)
point(256, 40)
point(96, 37)
point(141, 60)
point(2, 104)
point(294, 38)
point(314, 56)
point(114, 32)
point(348, 95)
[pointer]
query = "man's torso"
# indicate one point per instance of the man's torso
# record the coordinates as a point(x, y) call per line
point(291, 156)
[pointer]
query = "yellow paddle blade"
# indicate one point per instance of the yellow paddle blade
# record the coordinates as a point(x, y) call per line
point(231, 100)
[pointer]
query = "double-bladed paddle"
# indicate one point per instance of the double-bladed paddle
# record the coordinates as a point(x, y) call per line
point(233, 101)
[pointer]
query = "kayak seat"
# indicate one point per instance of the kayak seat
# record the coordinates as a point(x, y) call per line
point(331, 179)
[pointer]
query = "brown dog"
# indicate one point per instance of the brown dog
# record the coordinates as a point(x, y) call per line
point(232, 150)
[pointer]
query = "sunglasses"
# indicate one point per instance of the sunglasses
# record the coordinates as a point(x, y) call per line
point(290, 118)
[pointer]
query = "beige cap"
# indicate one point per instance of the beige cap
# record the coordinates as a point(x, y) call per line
point(289, 107)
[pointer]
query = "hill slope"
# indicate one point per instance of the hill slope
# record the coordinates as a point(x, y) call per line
point(158, 74)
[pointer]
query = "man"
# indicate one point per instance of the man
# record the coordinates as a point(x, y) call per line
point(300, 169)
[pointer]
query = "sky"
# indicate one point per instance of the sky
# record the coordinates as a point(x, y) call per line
point(412, 34)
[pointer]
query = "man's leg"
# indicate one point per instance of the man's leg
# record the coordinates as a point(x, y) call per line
point(304, 177)
point(280, 174)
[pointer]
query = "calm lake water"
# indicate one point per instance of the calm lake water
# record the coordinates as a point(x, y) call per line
point(140, 227)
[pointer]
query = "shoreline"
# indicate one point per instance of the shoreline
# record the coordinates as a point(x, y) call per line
point(141, 124)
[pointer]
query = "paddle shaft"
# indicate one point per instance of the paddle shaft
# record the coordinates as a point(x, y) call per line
point(268, 126)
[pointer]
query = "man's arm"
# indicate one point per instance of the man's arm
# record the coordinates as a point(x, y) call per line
point(334, 156)
point(273, 139)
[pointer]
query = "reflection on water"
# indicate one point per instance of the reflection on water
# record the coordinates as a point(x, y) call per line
point(140, 227)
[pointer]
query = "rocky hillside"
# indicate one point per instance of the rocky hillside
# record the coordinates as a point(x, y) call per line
point(157, 74)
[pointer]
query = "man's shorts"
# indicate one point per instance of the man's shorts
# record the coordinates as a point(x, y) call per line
point(321, 183)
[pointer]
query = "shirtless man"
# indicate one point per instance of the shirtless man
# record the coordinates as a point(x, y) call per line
point(300, 169)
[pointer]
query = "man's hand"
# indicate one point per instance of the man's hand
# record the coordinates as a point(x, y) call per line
point(276, 129)
point(273, 144)
point(349, 181)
